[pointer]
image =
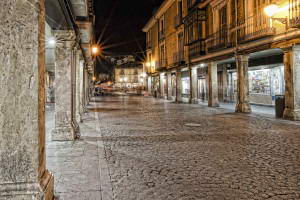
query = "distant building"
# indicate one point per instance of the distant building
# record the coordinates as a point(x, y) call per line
point(129, 73)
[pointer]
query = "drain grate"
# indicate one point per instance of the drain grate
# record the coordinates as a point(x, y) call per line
point(192, 125)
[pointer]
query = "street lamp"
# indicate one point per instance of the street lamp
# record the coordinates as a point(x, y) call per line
point(95, 50)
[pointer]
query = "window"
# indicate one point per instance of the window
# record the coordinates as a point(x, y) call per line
point(149, 38)
point(193, 26)
point(162, 56)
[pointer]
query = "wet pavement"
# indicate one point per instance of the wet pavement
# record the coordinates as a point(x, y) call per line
point(138, 148)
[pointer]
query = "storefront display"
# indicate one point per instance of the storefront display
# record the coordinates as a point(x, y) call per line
point(202, 90)
point(173, 84)
point(185, 81)
point(264, 83)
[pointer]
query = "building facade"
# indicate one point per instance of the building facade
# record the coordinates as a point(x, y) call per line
point(45, 57)
point(129, 76)
point(226, 51)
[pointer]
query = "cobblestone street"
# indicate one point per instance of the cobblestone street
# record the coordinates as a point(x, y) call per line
point(138, 148)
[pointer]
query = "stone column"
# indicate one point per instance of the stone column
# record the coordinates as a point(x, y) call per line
point(169, 80)
point(292, 83)
point(64, 125)
point(194, 85)
point(225, 83)
point(243, 103)
point(213, 85)
point(75, 65)
point(79, 79)
point(149, 78)
point(23, 173)
point(83, 87)
point(80, 91)
point(178, 86)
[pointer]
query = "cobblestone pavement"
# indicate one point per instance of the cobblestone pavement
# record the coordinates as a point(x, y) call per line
point(140, 148)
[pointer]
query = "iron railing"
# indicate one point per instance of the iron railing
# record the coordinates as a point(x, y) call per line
point(177, 21)
point(162, 63)
point(192, 3)
point(218, 40)
point(294, 13)
point(161, 34)
point(197, 48)
point(178, 57)
point(255, 27)
point(149, 44)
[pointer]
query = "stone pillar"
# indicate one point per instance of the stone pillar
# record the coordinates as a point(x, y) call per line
point(194, 87)
point(83, 87)
point(243, 103)
point(64, 66)
point(149, 85)
point(79, 79)
point(178, 86)
point(213, 85)
point(23, 173)
point(75, 65)
point(169, 80)
point(292, 83)
point(225, 83)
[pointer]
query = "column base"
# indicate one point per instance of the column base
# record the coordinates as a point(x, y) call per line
point(44, 190)
point(76, 129)
point(291, 114)
point(66, 133)
point(243, 108)
point(213, 105)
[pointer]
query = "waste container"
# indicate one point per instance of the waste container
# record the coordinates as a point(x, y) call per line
point(279, 105)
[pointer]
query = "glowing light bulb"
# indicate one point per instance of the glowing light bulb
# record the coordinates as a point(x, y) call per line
point(271, 10)
point(52, 41)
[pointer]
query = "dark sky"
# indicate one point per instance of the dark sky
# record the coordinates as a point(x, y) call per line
point(120, 22)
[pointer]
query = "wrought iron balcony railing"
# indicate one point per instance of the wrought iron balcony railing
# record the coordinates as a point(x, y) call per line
point(177, 21)
point(178, 57)
point(149, 44)
point(255, 27)
point(218, 40)
point(161, 34)
point(294, 13)
point(162, 63)
point(192, 3)
point(197, 48)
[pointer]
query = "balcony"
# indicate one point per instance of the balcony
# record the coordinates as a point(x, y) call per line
point(149, 44)
point(294, 14)
point(254, 28)
point(177, 21)
point(161, 35)
point(218, 41)
point(192, 3)
point(178, 57)
point(197, 48)
point(162, 63)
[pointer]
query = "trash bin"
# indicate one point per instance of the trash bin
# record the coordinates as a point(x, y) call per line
point(279, 105)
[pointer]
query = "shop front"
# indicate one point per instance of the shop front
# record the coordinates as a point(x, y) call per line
point(173, 86)
point(264, 83)
point(163, 86)
point(186, 87)
point(155, 86)
point(202, 84)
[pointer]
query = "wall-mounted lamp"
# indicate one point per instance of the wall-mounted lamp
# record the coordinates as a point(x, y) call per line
point(273, 9)
point(52, 41)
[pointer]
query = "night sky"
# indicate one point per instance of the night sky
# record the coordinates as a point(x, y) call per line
point(119, 24)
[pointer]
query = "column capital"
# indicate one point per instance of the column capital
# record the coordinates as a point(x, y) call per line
point(65, 38)
point(242, 57)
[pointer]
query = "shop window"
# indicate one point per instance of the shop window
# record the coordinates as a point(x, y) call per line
point(259, 82)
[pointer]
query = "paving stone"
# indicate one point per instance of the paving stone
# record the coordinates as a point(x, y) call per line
point(141, 148)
